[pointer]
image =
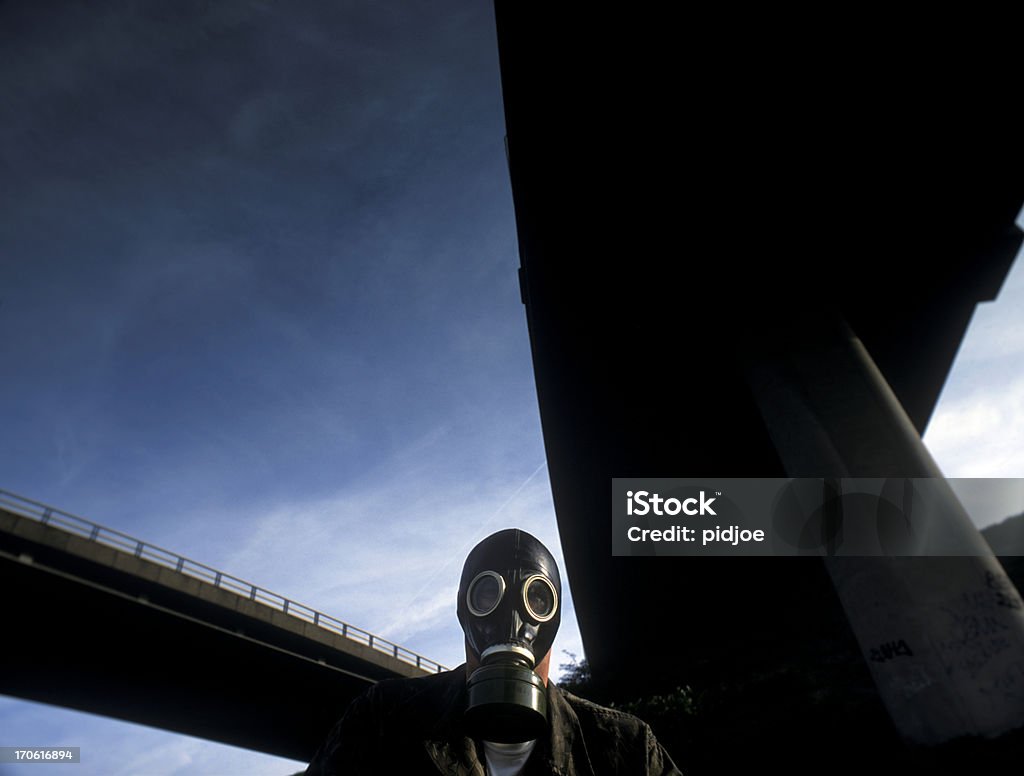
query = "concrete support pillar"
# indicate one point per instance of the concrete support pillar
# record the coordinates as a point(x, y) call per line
point(943, 636)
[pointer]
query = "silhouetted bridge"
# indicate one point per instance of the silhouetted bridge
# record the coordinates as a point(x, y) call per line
point(121, 627)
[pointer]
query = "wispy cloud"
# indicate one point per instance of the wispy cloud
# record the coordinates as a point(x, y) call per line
point(113, 748)
point(387, 555)
point(982, 434)
point(977, 429)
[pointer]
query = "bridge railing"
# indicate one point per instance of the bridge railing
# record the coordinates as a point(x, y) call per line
point(100, 534)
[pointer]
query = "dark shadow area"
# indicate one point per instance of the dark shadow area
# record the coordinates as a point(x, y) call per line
point(681, 191)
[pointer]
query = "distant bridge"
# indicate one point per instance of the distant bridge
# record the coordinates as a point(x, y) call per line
point(117, 626)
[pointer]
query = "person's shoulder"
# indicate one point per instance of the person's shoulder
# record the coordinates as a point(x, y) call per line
point(431, 691)
point(390, 717)
point(617, 737)
point(406, 686)
point(591, 714)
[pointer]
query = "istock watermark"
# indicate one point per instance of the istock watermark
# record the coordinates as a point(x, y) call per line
point(641, 503)
point(851, 517)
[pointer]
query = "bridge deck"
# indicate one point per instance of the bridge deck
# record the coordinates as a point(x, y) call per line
point(107, 630)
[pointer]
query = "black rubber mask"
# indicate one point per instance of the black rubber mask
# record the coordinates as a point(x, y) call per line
point(510, 609)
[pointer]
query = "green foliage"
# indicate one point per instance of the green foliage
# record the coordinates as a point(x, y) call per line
point(681, 702)
point(575, 675)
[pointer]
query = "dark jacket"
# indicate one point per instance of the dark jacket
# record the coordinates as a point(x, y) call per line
point(413, 726)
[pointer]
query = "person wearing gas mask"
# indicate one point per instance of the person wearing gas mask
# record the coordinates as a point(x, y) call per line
point(497, 714)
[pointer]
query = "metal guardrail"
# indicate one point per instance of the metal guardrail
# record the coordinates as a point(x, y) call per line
point(100, 534)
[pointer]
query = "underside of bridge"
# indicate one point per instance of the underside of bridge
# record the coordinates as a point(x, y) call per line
point(688, 192)
point(102, 631)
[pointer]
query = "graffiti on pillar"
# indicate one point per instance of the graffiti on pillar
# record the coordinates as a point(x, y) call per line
point(977, 630)
point(1009, 684)
point(890, 650)
point(1006, 594)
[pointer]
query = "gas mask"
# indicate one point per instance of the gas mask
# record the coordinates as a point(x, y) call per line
point(509, 609)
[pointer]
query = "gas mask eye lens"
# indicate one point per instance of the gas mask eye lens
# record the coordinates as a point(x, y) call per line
point(485, 592)
point(540, 598)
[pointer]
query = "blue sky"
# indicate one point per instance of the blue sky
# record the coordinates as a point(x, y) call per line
point(260, 302)
point(258, 305)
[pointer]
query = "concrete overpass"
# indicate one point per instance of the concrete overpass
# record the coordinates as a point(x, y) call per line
point(711, 214)
point(102, 622)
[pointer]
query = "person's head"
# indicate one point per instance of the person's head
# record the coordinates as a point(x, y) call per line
point(509, 606)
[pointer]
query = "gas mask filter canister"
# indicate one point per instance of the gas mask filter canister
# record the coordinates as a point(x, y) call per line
point(509, 609)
